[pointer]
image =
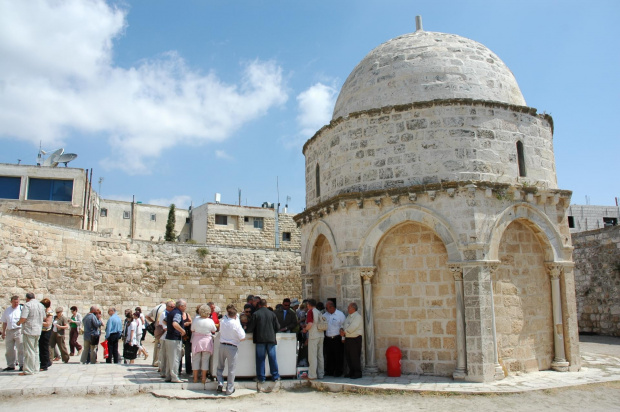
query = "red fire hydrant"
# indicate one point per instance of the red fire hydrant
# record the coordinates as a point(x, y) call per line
point(393, 355)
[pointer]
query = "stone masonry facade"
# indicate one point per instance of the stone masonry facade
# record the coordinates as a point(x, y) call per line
point(75, 267)
point(597, 278)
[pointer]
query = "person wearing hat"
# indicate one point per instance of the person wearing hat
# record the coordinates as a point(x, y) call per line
point(286, 317)
point(59, 325)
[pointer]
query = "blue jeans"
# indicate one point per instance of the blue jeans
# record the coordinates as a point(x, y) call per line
point(268, 349)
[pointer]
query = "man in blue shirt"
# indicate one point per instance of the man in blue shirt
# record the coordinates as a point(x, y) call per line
point(113, 331)
point(174, 343)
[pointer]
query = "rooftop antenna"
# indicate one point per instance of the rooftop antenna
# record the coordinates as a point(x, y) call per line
point(101, 179)
point(418, 23)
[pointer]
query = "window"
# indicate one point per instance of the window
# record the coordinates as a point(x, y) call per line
point(9, 187)
point(318, 181)
point(571, 222)
point(258, 223)
point(50, 189)
point(610, 221)
point(126, 214)
point(153, 217)
point(187, 220)
point(521, 159)
point(246, 219)
point(104, 212)
point(286, 236)
point(221, 220)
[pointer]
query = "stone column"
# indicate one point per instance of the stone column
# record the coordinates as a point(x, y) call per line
point(461, 355)
point(559, 360)
point(499, 372)
point(369, 326)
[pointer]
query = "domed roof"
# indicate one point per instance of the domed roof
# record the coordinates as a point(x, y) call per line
point(424, 66)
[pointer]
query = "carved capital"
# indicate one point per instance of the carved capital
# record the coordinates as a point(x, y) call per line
point(360, 203)
point(367, 272)
point(413, 197)
point(554, 270)
point(457, 271)
point(395, 199)
point(432, 194)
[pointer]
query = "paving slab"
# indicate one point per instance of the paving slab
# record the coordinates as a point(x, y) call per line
point(600, 363)
point(198, 394)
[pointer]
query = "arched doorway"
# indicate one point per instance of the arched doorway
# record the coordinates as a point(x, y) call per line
point(414, 300)
point(522, 298)
point(322, 268)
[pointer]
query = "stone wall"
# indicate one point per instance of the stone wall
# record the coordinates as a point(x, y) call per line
point(597, 280)
point(240, 234)
point(75, 267)
point(425, 143)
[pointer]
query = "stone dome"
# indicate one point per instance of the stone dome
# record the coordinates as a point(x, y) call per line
point(424, 66)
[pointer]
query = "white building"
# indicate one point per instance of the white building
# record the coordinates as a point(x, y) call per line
point(582, 218)
point(57, 195)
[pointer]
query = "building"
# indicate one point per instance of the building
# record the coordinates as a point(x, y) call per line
point(57, 195)
point(139, 221)
point(432, 202)
point(245, 226)
point(582, 218)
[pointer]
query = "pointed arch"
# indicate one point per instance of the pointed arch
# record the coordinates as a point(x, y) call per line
point(546, 232)
point(320, 228)
point(408, 213)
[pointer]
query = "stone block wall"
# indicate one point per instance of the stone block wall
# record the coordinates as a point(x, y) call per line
point(241, 235)
point(597, 280)
point(75, 267)
point(422, 143)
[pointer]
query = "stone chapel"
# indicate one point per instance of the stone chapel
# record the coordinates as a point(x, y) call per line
point(432, 202)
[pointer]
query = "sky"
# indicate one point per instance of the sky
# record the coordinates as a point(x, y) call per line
point(174, 101)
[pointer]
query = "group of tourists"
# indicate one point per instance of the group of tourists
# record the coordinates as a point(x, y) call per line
point(35, 337)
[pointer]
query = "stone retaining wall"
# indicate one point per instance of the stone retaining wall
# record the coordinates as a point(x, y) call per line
point(597, 280)
point(75, 267)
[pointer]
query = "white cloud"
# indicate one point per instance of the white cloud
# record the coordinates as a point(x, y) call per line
point(57, 75)
point(180, 202)
point(315, 106)
point(221, 154)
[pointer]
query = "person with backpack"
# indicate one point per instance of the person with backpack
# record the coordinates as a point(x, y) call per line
point(315, 327)
point(92, 333)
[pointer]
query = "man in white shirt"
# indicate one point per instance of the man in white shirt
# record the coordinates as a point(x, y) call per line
point(231, 335)
point(352, 330)
point(315, 342)
point(12, 333)
point(333, 348)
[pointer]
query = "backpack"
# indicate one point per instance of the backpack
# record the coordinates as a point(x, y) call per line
point(321, 323)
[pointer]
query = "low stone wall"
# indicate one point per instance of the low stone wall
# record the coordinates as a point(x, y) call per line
point(597, 280)
point(75, 267)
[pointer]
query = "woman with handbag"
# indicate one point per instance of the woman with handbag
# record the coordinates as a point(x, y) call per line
point(130, 348)
point(140, 332)
point(203, 329)
point(187, 344)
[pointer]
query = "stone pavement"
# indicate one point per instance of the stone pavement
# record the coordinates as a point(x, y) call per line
point(601, 363)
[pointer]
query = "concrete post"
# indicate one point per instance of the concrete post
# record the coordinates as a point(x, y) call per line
point(369, 327)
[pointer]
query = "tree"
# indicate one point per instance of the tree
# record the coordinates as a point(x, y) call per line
point(171, 234)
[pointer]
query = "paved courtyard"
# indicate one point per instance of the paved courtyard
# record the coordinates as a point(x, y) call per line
point(601, 363)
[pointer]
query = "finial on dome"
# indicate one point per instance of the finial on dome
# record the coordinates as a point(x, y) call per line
point(418, 23)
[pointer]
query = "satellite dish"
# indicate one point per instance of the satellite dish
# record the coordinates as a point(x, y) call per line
point(66, 158)
point(52, 159)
